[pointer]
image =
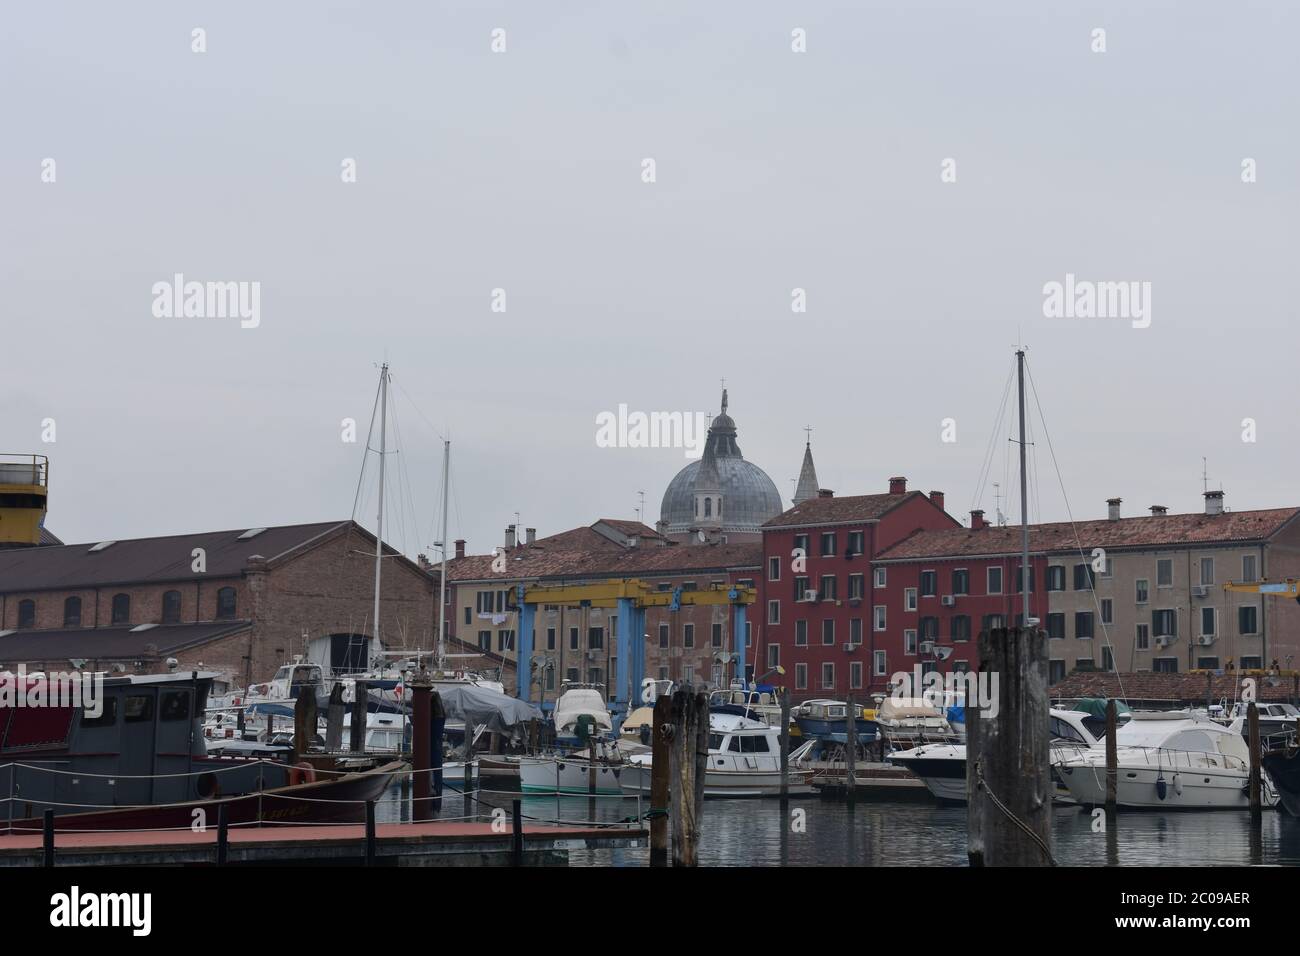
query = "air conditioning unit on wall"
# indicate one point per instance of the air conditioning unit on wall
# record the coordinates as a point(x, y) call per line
point(1205, 640)
point(948, 600)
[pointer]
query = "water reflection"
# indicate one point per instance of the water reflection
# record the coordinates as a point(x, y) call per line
point(815, 832)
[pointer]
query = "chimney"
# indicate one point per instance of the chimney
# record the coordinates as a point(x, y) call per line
point(1159, 511)
point(1112, 505)
point(825, 493)
point(936, 498)
point(1214, 502)
point(898, 486)
point(532, 535)
point(510, 536)
point(423, 561)
point(977, 520)
point(460, 547)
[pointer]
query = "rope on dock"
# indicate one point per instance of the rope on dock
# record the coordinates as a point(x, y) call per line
point(1006, 812)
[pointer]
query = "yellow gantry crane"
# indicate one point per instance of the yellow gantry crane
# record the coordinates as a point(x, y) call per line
point(1288, 588)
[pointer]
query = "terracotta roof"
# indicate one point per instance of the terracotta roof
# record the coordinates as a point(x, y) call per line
point(111, 643)
point(1147, 531)
point(533, 563)
point(816, 511)
point(633, 529)
point(169, 558)
point(1185, 688)
point(577, 539)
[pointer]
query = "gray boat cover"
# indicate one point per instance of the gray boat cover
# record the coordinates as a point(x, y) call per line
point(482, 705)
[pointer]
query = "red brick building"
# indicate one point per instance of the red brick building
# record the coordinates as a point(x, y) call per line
point(241, 602)
point(819, 618)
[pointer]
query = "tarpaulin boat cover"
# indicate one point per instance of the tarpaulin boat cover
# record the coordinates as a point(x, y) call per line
point(902, 708)
point(577, 701)
point(1096, 707)
point(482, 705)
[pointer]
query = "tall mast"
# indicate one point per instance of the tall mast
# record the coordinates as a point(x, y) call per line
point(383, 452)
point(442, 577)
point(1024, 501)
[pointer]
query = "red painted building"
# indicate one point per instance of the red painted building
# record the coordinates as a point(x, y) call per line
point(818, 595)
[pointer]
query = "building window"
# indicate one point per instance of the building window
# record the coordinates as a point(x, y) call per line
point(878, 620)
point(1248, 568)
point(828, 676)
point(993, 621)
point(1207, 621)
point(1143, 587)
point(828, 544)
point(961, 627)
point(909, 642)
point(596, 637)
point(879, 577)
point(550, 678)
point(505, 640)
point(1056, 627)
point(1247, 622)
point(826, 590)
point(1056, 577)
point(1165, 665)
point(855, 632)
point(800, 633)
point(929, 628)
point(1084, 577)
point(663, 635)
point(485, 640)
point(1164, 623)
point(72, 612)
point(1252, 663)
point(773, 656)
point(225, 603)
point(573, 638)
point(717, 635)
point(121, 609)
point(774, 569)
point(773, 612)
point(961, 581)
point(909, 599)
point(749, 633)
point(688, 635)
point(801, 543)
point(995, 580)
point(1165, 573)
point(1020, 579)
point(1107, 659)
point(550, 638)
point(855, 675)
point(171, 607)
point(1083, 625)
point(1143, 637)
point(1207, 571)
point(880, 663)
point(800, 676)
point(928, 583)
point(1207, 663)
point(571, 675)
point(855, 544)
point(857, 586)
point(594, 674)
point(1107, 611)
point(801, 589)
point(828, 632)
point(27, 613)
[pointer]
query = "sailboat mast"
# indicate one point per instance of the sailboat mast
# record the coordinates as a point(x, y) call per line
point(442, 576)
point(1025, 575)
point(383, 453)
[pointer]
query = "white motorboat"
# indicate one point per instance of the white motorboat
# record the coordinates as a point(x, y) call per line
point(744, 761)
point(909, 721)
point(942, 767)
point(570, 774)
point(1167, 760)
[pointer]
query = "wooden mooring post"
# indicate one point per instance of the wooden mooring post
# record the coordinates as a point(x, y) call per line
point(421, 748)
point(690, 753)
point(1008, 770)
point(334, 720)
point(850, 751)
point(362, 692)
point(660, 770)
point(304, 722)
point(1252, 724)
point(785, 745)
point(1112, 760)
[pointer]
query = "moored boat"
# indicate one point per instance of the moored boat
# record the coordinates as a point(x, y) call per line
point(829, 720)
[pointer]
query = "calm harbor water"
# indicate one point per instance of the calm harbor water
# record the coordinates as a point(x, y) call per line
point(916, 833)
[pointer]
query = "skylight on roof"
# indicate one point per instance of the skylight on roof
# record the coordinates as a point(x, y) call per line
point(101, 546)
point(250, 533)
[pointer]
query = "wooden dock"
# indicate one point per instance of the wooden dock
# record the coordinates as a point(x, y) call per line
point(436, 843)
point(878, 780)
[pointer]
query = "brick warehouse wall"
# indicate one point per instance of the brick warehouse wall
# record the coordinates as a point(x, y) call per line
point(198, 603)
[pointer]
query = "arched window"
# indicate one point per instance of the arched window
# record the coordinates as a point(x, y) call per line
point(225, 603)
point(708, 507)
point(72, 612)
point(121, 609)
point(27, 613)
point(171, 607)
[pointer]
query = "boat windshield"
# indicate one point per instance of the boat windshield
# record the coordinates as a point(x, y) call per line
point(715, 741)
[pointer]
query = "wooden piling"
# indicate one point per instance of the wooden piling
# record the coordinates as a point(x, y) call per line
point(690, 754)
point(785, 744)
point(660, 770)
point(362, 692)
point(334, 720)
point(421, 749)
point(304, 722)
point(1008, 769)
point(850, 751)
point(47, 837)
point(1112, 757)
point(1252, 723)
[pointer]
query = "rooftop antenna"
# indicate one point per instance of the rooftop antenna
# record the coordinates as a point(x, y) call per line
point(1205, 475)
point(640, 511)
point(997, 504)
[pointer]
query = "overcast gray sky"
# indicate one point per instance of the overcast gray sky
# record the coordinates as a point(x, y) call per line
point(522, 170)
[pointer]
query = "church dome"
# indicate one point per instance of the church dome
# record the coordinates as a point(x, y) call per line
point(749, 497)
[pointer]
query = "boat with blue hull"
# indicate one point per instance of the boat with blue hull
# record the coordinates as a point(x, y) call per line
point(829, 720)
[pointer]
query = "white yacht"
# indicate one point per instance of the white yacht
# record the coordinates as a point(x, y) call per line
point(744, 761)
point(580, 710)
point(1168, 759)
point(942, 767)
